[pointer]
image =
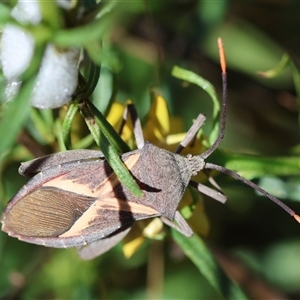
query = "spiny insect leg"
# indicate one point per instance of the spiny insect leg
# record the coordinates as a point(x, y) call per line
point(182, 226)
point(137, 127)
point(190, 135)
point(217, 195)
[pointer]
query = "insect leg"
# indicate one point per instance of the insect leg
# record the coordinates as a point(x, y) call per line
point(137, 127)
point(182, 226)
point(217, 195)
point(190, 135)
point(200, 187)
point(212, 181)
point(101, 246)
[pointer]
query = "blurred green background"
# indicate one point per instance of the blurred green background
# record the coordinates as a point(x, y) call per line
point(255, 242)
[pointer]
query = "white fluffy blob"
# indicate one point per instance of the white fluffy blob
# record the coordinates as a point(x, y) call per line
point(27, 12)
point(58, 75)
point(17, 48)
point(57, 78)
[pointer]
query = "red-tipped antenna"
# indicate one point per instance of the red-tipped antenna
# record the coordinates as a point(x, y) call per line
point(254, 186)
point(221, 136)
point(209, 151)
point(222, 55)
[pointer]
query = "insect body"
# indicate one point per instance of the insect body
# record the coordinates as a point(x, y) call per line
point(49, 209)
point(75, 199)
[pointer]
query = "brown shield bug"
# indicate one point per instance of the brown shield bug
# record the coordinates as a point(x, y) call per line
point(75, 199)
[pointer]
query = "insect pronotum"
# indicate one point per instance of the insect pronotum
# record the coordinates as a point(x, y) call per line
point(76, 200)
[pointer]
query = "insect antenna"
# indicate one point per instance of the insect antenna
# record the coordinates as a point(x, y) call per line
point(208, 152)
point(254, 186)
point(214, 146)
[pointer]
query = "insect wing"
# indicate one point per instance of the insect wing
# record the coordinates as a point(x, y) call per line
point(36, 165)
point(71, 205)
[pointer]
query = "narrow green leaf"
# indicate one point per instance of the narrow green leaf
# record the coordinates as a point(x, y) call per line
point(199, 254)
point(107, 139)
point(83, 35)
point(105, 92)
point(253, 166)
point(282, 189)
point(14, 117)
point(17, 111)
point(191, 77)
point(58, 133)
point(38, 118)
point(67, 123)
point(118, 166)
point(256, 51)
point(47, 115)
point(50, 14)
point(277, 70)
point(95, 51)
point(84, 142)
point(109, 131)
point(4, 14)
point(94, 74)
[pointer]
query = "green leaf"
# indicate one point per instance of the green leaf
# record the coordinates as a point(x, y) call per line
point(67, 123)
point(200, 255)
point(94, 74)
point(14, 117)
point(256, 51)
point(43, 123)
point(252, 166)
point(17, 111)
point(4, 14)
point(105, 91)
point(83, 143)
point(109, 142)
point(283, 189)
point(109, 131)
point(87, 33)
point(191, 77)
point(51, 14)
point(277, 70)
point(118, 166)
